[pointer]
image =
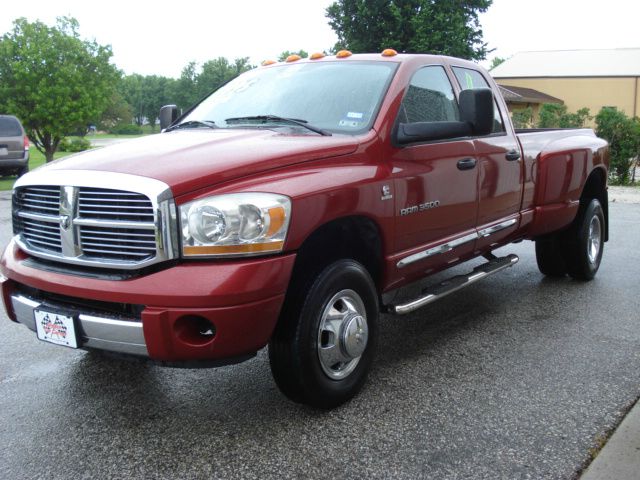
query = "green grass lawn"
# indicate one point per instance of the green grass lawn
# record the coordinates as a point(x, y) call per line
point(35, 160)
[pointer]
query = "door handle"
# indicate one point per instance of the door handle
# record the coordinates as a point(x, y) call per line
point(466, 163)
point(512, 155)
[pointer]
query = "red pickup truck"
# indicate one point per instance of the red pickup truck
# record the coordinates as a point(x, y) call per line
point(281, 208)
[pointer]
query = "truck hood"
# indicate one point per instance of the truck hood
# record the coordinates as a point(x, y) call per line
point(187, 160)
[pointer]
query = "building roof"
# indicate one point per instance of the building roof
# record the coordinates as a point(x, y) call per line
point(618, 62)
point(525, 95)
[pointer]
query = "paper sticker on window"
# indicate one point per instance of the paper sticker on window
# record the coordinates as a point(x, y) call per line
point(349, 123)
point(357, 115)
point(469, 79)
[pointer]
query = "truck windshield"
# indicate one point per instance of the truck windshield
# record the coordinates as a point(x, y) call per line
point(340, 97)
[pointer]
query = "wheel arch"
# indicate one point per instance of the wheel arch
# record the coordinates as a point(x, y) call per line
point(357, 237)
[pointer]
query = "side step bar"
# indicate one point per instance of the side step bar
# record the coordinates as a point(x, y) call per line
point(453, 284)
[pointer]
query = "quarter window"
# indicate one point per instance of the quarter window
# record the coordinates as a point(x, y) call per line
point(429, 98)
point(469, 79)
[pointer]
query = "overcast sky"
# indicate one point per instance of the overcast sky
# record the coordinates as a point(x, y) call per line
point(162, 37)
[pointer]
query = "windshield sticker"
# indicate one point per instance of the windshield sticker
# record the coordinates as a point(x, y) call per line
point(357, 115)
point(350, 123)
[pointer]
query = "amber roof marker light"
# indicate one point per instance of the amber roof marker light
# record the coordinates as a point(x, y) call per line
point(389, 52)
point(317, 56)
point(268, 62)
point(343, 54)
point(293, 58)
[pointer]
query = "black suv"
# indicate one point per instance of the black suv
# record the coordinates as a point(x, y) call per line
point(14, 147)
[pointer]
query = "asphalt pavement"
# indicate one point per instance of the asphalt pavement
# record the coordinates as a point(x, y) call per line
point(516, 377)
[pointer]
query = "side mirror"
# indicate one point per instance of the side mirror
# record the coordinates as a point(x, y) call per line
point(428, 131)
point(476, 108)
point(168, 115)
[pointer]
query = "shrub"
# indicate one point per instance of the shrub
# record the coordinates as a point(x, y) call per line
point(75, 144)
point(623, 135)
point(126, 129)
point(522, 118)
point(553, 115)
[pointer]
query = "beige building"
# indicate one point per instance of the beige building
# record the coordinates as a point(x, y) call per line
point(520, 98)
point(580, 78)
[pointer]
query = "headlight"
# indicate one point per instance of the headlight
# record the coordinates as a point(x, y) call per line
point(235, 224)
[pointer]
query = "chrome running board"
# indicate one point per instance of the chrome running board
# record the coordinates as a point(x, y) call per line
point(453, 284)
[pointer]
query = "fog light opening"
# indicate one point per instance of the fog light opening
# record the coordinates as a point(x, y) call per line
point(194, 330)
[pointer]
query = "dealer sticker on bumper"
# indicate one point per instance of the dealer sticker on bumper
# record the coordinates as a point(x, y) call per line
point(55, 328)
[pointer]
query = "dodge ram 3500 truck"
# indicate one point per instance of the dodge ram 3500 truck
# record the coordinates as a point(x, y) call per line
point(281, 208)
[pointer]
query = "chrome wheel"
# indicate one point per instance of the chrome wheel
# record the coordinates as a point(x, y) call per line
point(342, 334)
point(594, 240)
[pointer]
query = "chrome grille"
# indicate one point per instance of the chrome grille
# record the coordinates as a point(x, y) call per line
point(118, 242)
point(45, 200)
point(43, 235)
point(93, 225)
point(105, 204)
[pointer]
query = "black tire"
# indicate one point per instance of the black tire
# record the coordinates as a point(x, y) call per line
point(550, 256)
point(298, 342)
point(584, 241)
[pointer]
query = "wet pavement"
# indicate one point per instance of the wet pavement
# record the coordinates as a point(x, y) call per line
point(516, 377)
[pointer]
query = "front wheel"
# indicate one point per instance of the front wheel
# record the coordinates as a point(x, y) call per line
point(323, 346)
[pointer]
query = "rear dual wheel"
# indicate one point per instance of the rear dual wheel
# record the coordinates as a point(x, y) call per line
point(323, 346)
point(578, 250)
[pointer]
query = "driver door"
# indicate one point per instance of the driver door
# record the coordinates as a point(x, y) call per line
point(436, 182)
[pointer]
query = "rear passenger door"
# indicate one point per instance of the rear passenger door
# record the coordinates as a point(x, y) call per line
point(499, 168)
point(436, 190)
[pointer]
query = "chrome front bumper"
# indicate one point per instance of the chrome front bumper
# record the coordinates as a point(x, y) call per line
point(115, 335)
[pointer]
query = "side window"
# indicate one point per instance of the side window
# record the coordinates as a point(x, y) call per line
point(468, 79)
point(429, 98)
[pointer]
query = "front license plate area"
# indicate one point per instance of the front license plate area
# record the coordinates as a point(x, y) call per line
point(56, 328)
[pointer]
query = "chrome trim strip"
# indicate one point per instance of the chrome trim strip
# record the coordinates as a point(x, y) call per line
point(40, 217)
point(164, 224)
point(114, 334)
point(94, 222)
point(447, 247)
point(485, 232)
point(444, 248)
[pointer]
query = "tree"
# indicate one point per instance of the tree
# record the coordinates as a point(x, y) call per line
point(217, 72)
point(623, 135)
point(283, 56)
point(445, 27)
point(185, 88)
point(53, 81)
point(496, 61)
point(118, 110)
point(193, 85)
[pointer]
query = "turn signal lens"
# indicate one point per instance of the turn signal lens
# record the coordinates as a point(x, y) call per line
point(293, 58)
point(343, 54)
point(389, 52)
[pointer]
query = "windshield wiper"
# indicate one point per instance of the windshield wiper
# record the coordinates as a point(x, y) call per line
point(275, 118)
point(193, 124)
